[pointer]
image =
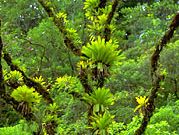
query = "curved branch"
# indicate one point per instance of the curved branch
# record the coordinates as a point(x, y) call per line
point(67, 40)
point(28, 81)
point(107, 31)
point(9, 100)
point(156, 77)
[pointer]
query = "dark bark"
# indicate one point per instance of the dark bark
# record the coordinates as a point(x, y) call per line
point(156, 77)
point(68, 42)
point(9, 100)
point(83, 76)
point(175, 87)
point(2, 87)
point(84, 80)
point(3, 95)
point(21, 107)
point(102, 4)
point(107, 31)
point(28, 81)
point(98, 76)
point(50, 127)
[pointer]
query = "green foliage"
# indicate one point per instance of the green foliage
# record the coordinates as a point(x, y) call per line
point(145, 24)
point(168, 114)
point(161, 128)
point(169, 61)
point(131, 127)
point(45, 49)
point(79, 127)
point(97, 19)
point(20, 129)
point(62, 16)
point(73, 35)
point(164, 121)
point(13, 77)
point(51, 113)
point(91, 4)
point(26, 94)
point(116, 127)
point(68, 84)
point(100, 51)
point(40, 80)
point(70, 112)
point(100, 123)
point(130, 75)
point(100, 98)
point(36, 44)
point(8, 116)
point(142, 104)
point(16, 130)
point(126, 100)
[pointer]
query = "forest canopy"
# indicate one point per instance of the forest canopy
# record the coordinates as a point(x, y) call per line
point(89, 67)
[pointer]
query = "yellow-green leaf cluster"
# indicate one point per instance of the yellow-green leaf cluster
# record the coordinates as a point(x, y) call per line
point(142, 104)
point(72, 34)
point(68, 84)
point(100, 98)
point(100, 123)
point(39, 80)
point(13, 77)
point(90, 4)
point(100, 51)
point(62, 16)
point(26, 94)
point(84, 64)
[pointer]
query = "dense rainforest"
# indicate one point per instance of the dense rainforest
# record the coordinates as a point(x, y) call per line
point(89, 67)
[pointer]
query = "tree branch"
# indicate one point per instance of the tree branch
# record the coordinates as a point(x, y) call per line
point(9, 100)
point(68, 42)
point(107, 31)
point(28, 81)
point(156, 77)
point(102, 4)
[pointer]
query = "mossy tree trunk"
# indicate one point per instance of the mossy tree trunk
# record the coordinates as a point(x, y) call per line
point(155, 74)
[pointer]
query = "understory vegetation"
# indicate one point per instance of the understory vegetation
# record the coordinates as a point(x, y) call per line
point(89, 67)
